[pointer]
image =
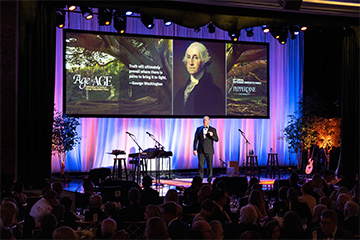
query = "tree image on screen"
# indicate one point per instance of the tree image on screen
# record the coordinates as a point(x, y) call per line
point(247, 80)
point(113, 75)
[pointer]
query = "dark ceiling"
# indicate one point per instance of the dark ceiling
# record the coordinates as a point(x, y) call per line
point(230, 15)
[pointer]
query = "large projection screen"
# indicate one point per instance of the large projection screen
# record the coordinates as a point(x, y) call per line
point(113, 75)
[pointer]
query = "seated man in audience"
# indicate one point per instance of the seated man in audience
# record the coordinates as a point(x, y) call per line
point(329, 227)
point(351, 214)
point(221, 199)
point(207, 208)
point(134, 212)
point(95, 214)
point(177, 229)
point(44, 206)
point(148, 195)
point(195, 186)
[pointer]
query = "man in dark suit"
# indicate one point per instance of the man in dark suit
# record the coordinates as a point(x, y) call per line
point(329, 227)
point(204, 147)
point(177, 229)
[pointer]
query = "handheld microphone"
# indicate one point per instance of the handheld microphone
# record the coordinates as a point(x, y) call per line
point(130, 133)
point(240, 130)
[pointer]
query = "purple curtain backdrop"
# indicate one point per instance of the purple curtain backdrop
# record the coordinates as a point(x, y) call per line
point(101, 135)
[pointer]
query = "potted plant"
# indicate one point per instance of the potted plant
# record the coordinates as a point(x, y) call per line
point(64, 136)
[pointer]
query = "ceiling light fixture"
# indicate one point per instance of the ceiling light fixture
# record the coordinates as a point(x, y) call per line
point(147, 20)
point(120, 22)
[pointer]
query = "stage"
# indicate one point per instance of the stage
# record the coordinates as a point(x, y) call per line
point(178, 182)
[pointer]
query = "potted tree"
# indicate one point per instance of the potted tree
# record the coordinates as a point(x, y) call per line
point(64, 136)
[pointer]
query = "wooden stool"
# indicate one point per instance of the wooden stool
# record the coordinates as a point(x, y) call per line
point(117, 169)
point(273, 164)
point(252, 163)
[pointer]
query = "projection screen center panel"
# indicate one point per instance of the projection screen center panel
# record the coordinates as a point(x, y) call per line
point(113, 75)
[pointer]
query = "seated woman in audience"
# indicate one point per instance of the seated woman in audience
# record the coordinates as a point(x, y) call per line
point(156, 229)
point(271, 229)
point(256, 199)
point(152, 211)
point(216, 230)
point(292, 227)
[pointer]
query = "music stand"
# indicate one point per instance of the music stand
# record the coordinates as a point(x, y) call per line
point(137, 177)
point(246, 147)
point(160, 149)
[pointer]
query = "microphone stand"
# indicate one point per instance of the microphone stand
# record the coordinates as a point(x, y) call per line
point(247, 143)
point(157, 161)
point(140, 150)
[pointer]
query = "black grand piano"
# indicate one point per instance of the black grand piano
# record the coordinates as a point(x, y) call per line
point(156, 154)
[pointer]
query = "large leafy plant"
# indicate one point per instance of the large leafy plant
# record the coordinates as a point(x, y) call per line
point(64, 136)
point(313, 123)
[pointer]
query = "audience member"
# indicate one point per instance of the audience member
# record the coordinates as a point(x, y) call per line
point(69, 217)
point(250, 235)
point(216, 230)
point(306, 197)
point(204, 192)
point(134, 212)
point(44, 206)
point(247, 222)
point(318, 209)
point(340, 204)
point(326, 200)
point(271, 229)
point(111, 211)
point(17, 192)
point(329, 227)
point(121, 234)
point(177, 229)
point(171, 195)
point(320, 186)
point(207, 208)
point(204, 228)
point(156, 229)
point(108, 228)
point(58, 188)
point(300, 208)
point(64, 232)
point(48, 225)
point(256, 199)
point(58, 211)
point(83, 200)
point(193, 206)
point(221, 198)
point(152, 211)
point(95, 213)
point(195, 186)
point(148, 195)
point(351, 214)
point(9, 220)
point(292, 227)
point(281, 204)
point(294, 182)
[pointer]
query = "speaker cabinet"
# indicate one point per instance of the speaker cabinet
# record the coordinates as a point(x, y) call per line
point(117, 191)
point(98, 175)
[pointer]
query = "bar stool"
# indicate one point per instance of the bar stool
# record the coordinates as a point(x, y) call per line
point(252, 163)
point(273, 165)
point(117, 169)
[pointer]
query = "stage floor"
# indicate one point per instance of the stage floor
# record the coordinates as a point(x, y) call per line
point(163, 185)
